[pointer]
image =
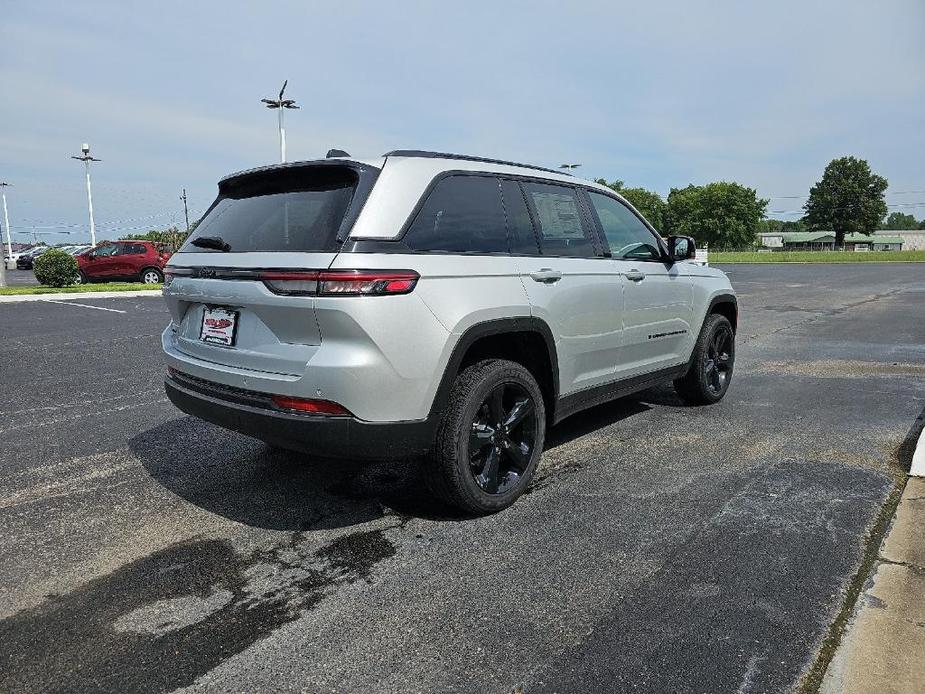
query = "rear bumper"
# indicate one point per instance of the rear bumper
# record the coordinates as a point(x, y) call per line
point(334, 437)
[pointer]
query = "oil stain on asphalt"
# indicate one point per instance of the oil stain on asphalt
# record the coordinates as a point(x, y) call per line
point(162, 621)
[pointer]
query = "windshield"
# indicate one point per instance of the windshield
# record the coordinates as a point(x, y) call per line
point(298, 210)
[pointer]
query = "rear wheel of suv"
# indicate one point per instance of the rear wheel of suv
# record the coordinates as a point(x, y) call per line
point(712, 361)
point(490, 439)
point(151, 275)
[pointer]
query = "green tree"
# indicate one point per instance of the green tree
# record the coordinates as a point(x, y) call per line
point(648, 202)
point(722, 214)
point(898, 221)
point(848, 199)
point(173, 237)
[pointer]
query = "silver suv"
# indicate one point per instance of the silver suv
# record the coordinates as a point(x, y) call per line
point(433, 304)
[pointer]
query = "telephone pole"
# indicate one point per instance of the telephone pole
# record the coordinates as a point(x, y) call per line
point(281, 104)
point(86, 159)
point(186, 216)
point(6, 228)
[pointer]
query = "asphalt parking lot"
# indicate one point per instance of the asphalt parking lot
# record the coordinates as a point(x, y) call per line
point(662, 547)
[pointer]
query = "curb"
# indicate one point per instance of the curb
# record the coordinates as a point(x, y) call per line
point(70, 296)
point(918, 458)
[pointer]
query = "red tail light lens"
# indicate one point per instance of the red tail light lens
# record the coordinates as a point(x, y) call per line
point(340, 282)
point(325, 407)
point(365, 282)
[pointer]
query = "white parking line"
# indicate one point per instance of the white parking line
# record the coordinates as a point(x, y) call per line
point(71, 303)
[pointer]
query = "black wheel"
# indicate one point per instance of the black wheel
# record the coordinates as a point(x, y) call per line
point(490, 439)
point(151, 275)
point(710, 370)
point(81, 277)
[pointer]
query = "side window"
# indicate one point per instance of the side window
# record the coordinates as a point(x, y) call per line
point(462, 214)
point(519, 224)
point(107, 249)
point(134, 249)
point(559, 218)
point(626, 235)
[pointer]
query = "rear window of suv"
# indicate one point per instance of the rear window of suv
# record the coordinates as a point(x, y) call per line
point(462, 214)
point(300, 209)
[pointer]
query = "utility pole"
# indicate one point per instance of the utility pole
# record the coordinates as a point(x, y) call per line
point(281, 104)
point(185, 210)
point(86, 159)
point(6, 228)
point(185, 215)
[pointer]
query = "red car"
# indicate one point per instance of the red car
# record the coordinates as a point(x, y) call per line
point(140, 260)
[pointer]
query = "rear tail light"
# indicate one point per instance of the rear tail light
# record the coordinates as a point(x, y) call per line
point(340, 282)
point(325, 407)
point(292, 283)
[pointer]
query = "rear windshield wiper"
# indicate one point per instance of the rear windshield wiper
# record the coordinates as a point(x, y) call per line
point(215, 242)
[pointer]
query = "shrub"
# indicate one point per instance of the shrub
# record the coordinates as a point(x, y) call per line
point(55, 268)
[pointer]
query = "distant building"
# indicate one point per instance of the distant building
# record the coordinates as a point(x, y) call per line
point(913, 239)
point(825, 241)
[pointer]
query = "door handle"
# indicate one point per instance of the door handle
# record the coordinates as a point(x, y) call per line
point(546, 275)
point(635, 275)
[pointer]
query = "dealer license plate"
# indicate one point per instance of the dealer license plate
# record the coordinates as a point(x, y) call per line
point(218, 326)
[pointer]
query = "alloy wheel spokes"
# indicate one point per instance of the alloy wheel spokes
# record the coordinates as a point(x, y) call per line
point(501, 438)
point(488, 478)
point(522, 408)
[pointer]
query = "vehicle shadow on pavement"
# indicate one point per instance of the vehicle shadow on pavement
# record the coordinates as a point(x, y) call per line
point(246, 481)
point(594, 419)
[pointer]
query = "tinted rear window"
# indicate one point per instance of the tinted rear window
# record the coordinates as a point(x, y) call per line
point(295, 210)
point(462, 214)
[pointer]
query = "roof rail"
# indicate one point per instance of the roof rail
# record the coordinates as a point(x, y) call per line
point(422, 154)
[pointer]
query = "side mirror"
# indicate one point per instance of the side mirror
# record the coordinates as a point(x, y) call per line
point(91, 255)
point(681, 248)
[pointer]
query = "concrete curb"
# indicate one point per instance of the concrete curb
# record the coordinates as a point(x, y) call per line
point(882, 648)
point(71, 296)
point(918, 457)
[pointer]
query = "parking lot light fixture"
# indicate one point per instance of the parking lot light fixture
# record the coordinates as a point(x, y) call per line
point(569, 167)
point(281, 105)
point(6, 228)
point(86, 159)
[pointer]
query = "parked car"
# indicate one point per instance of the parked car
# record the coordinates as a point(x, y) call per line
point(24, 262)
point(434, 304)
point(77, 250)
point(138, 260)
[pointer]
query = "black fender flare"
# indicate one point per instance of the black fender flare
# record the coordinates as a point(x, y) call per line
point(725, 299)
point(518, 324)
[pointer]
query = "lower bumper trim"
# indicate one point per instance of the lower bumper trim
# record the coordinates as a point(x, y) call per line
point(332, 437)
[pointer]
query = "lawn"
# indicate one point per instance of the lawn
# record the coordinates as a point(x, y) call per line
point(817, 257)
point(79, 288)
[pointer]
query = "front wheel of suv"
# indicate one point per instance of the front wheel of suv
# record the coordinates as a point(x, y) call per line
point(490, 439)
point(710, 370)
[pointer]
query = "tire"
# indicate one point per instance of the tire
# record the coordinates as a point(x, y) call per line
point(151, 275)
point(82, 278)
point(462, 477)
point(710, 370)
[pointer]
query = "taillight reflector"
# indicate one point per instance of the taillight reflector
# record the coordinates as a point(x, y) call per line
point(325, 407)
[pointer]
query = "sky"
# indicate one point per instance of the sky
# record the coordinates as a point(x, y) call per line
point(658, 94)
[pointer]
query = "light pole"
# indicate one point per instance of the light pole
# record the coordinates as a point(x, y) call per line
point(86, 159)
point(569, 167)
point(281, 105)
point(6, 228)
